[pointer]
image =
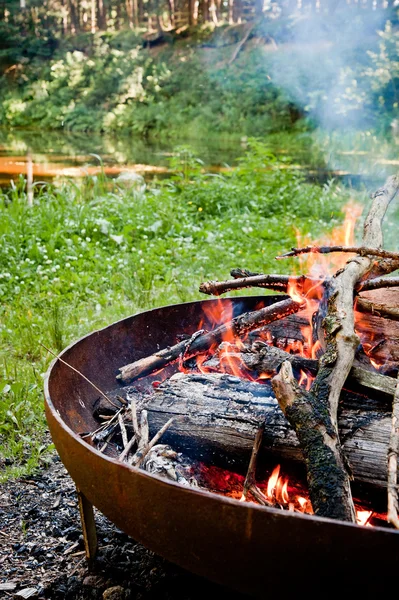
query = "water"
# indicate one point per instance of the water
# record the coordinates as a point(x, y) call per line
point(57, 154)
point(356, 159)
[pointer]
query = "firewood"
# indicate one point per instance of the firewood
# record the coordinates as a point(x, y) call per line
point(313, 414)
point(201, 342)
point(359, 250)
point(250, 479)
point(266, 359)
point(377, 283)
point(381, 310)
point(277, 283)
point(280, 283)
point(217, 417)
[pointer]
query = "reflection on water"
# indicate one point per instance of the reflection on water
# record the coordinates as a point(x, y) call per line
point(63, 154)
point(356, 159)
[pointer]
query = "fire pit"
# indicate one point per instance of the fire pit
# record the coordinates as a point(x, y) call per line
point(250, 548)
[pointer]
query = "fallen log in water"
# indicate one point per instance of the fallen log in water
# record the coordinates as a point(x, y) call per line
point(221, 414)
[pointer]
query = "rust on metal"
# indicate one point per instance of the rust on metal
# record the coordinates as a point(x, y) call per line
point(248, 547)
point(88, 527)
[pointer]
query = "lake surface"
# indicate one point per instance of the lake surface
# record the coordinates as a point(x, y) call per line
point(55, 155)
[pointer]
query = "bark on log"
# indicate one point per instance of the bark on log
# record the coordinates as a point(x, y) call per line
point(201, 342)
point(313, 414)
point(219, 415)
point(267, 359)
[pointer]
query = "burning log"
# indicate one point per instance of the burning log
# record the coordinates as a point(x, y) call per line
point(261, 359)
point(201, 342)
point(216, 418)
point(313, 414)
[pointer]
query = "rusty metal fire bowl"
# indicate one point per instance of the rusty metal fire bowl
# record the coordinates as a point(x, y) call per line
point(250, 548)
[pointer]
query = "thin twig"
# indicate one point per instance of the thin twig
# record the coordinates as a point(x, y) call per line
point(123, 430)
point(278, 283)
point(377, 283)
point(127, 448)
point(81, 374)
point(360, 251)
point(135, 422)
point(142, 453)
point(250, 479)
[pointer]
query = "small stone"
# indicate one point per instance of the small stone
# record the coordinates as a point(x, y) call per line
point(116, 592)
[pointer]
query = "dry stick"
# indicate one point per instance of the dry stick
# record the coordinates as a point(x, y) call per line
point(201, 343)
point(313, 414)
point(250, 479)
point(360, 251)
point(127, 448)
point(380, 310)
point(144, 429)
point(377, 283)
point(279, 283)
point(81, 374)
point(102, 426)
point(135, 422)
point(123, 430)
point(142, 453)
point(393, 451)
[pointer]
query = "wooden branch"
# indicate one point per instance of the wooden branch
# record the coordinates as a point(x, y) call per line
point(278, 283)
point(269, 358)
point(313, 414)
point(359, 250)
point(393, 451)
point(202, 342)
point(250, 479)
point(380, 310)
point(145, 448)
point(377, 283)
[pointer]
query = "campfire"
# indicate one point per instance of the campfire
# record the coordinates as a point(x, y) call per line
point(288, 405)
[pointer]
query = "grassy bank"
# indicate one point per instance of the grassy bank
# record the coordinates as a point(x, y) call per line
point(86, 255)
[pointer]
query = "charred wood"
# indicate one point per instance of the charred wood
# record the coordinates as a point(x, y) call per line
point(267, 359)
point(201, 341)
point(217, 418)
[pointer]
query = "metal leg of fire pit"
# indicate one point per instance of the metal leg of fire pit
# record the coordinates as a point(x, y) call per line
point(88, 528)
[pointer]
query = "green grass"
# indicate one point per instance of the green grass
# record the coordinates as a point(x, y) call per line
point(86, 255)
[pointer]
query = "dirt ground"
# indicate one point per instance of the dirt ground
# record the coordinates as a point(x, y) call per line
point(41, 551)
